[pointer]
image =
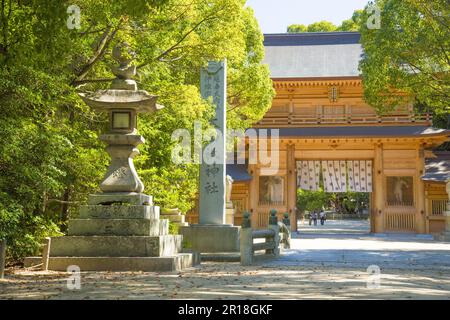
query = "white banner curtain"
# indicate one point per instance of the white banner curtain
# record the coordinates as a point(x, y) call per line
point(334, 176)
point(308, 175)
point(359, 175)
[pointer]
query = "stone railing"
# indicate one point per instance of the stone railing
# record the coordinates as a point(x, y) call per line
point(277, 235)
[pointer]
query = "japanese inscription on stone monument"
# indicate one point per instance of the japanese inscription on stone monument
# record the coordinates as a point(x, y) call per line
point(212, 168)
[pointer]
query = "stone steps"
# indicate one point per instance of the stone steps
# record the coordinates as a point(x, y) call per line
point(181, 224)
point(185, 259)
point(174, 218)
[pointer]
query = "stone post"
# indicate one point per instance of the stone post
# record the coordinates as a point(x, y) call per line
point(273, 225)
point(46, 253)
point(286, 219)
point(246, 241)
point(286, 240)
point(2, 258)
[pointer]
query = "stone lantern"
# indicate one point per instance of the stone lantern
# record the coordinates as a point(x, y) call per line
point(123, 101)
point(120, 229)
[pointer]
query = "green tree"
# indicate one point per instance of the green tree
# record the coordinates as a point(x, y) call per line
point(312, 200)
point(408, 56)
point(296, 28)
point(50, 155)
point(352, 24)
point(321, 26)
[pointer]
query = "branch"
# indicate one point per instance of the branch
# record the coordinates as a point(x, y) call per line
point(430, 12)
point(61, 201)
point(171, 60)
point(85, 81)
point(88, 31)
point(101, 49)
point(175, 46)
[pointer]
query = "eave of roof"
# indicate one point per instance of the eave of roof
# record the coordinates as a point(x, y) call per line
point(238, 172)
point(311, 38)
point(361, 132)
point(437, 169)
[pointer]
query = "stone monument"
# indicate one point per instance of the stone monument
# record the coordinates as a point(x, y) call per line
point(213, 234)
point(120, 229)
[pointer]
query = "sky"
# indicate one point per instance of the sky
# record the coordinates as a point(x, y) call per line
point(275, 16)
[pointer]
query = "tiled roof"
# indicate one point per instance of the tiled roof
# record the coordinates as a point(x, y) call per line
point(313, 55)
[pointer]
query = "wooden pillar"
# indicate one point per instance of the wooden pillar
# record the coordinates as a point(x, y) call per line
point(378, 202)
point(253, 191)
point(420, 191)
point(291, 185)
point(427, 212)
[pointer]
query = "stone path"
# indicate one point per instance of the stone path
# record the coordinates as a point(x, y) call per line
point(321, 265)
point(347, 243)
point(335, 227)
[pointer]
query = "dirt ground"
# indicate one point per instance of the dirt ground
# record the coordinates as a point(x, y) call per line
point(326, 262)
point(231, 281)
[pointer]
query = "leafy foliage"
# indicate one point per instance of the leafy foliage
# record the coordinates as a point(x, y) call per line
point(408, 54)
point(346, 202)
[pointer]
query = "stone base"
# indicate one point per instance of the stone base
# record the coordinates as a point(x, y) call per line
point(119, 232)
point(211, 238)
point(119, 212)
point(130, 198)
point(115, 246)
point(221, 257)
point(172, 263)
point(118, 227)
